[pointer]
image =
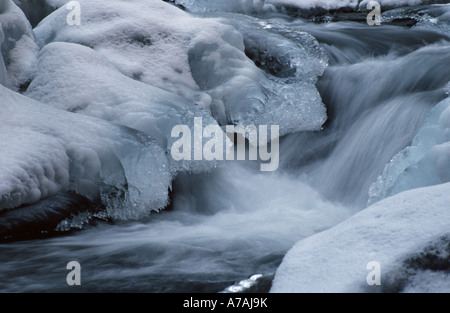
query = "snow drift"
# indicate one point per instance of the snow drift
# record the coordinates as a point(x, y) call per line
point(408, 235)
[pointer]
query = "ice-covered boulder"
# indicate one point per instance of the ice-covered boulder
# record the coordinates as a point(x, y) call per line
point(408, 236)
point(18, 47)
point(289, 63)
point(44, 151)
point(76, 78)
point(425, 162)
point(201, 59)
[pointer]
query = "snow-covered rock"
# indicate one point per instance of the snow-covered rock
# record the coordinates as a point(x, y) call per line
point(18, 47)
point(77, 79)
point(44, 150)
point(408, 235)
point(201, 59)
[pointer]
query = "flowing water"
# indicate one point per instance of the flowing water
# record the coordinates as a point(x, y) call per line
point(235, 221)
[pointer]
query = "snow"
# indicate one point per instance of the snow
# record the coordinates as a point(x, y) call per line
point(404, 234)
point(200, 59)
point(92, 86)
point(45, 150)
point(18, 48)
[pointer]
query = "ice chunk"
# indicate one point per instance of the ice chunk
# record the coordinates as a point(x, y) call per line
point(45, 150)
point(289, 62)
point(91, 85)
point(200, 59)
point(337, 259)
point(426, 162)
point(18, 47)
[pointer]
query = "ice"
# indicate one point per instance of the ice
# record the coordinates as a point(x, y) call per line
point(200, 59)
point(261, 6)
point(435, 18)
point(426, 162)
point(313, 4)
point(408, 235)
point(289, 62)
point(45, 150)
point(91, 85)
point(18, 47)
point(241, 6)
point(432, 18)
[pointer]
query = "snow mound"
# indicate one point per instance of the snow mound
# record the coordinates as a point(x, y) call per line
point(45, 150)
point(18, 47)
point(408, 235)
point(201, 59)
point(90, 85)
